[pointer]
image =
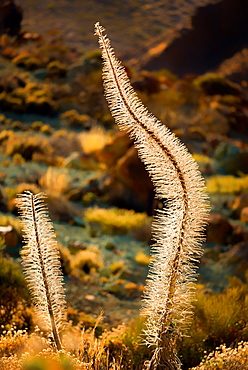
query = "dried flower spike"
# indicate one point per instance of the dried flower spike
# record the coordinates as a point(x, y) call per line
point(178, 227)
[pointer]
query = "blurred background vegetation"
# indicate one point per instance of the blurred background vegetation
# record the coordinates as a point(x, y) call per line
point(188, 64)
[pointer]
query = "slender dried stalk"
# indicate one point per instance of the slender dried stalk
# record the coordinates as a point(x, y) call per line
point(178, 228)
point(41, 264)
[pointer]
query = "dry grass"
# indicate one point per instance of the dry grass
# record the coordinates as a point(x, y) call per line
point(81, 351)
point(226, 358)
point(55, 181)
point(94, 140)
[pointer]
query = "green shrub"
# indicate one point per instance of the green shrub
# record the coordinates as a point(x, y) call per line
point(218, 319)
point(216, 84)
point(87, 261)
point(114, 220)
point(13, 291)
point(26, 146)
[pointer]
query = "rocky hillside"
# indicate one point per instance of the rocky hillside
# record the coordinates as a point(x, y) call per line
point(134, 24)
point(217, 32)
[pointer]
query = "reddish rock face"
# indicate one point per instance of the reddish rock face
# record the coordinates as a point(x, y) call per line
point(239, 203)
point(110, 154)
point(219, 229)
point(128, 184)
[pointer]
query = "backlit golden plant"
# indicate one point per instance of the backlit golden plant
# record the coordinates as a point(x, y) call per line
point(94, 139)
point(55, 181)
point(177, 228)
point(116, 220)
point(226, 358)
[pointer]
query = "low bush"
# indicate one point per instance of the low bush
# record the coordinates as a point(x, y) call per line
point(26, 145)
point(86, 261)
point(218, 319)
point(226, 358)
point(115, 220)
point(94, 140)
point(227, 184)
point(14, 296)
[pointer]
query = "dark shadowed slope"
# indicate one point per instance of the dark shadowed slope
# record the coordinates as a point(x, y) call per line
point(218, 32)
point(133, 23)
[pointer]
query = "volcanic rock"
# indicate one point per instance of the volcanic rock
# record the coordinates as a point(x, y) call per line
point(219, 229)
point(128, 184)
point(10, 17)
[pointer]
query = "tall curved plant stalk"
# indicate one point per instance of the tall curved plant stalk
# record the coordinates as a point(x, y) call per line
point(178, 228)
point(41, 264)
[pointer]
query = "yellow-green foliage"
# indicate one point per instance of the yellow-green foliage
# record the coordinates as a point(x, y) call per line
point(87, 261)
point(57, 68)
point(226, 358)
point(38, 90)
point(201, 158)
point(18, 159)
point(74, 119)
point(13, 292)
point(218, 318)
point(24, 59)
point(224, 316)
point(227, 184)
point(33, 97)
point(21, 351)
point(114, 220)
point(5, 134)
point(95, 139)
point(82, 351)
point(42, 127)
point(125, 342)
point(11, 341)
point(2, 243)
point(215, 83)
point(26, 145)
point(142, 258)
point(65, 260)
point(116, 267)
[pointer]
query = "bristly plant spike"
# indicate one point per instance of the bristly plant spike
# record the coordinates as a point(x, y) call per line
point(178, 228)
point(41, 264)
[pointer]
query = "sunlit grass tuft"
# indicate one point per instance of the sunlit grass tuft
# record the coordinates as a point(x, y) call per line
point(142, 258)
point(227, 184)
point(81, 351)
point(201, 158)
point(94, 139)
point(87, 261)
point(115, 220)
point(55, 181)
